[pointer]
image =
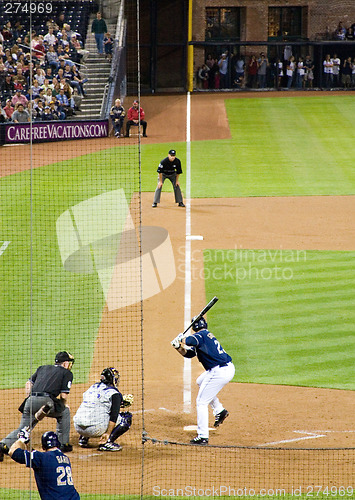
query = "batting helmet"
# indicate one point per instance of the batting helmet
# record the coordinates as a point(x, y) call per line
point(50, 440)
point(110, 376)
point(200, 324)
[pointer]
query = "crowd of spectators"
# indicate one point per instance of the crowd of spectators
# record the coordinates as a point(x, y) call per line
point(257, 72)
point(40, 77)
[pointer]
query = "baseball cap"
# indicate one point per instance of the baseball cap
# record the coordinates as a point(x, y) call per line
point(64, 356)
point(172, 152)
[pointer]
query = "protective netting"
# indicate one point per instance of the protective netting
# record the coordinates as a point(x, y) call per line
point(77, 265)
point(70, 243)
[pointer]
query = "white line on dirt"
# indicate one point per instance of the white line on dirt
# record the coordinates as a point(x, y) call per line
point(187, 303)
point(310, 435)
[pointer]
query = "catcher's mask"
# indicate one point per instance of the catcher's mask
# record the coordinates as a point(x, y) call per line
point(50, 440)
point(200, 324)
point(110, 376)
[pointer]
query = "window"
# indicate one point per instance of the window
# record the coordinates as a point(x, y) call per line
point(222, 23)
point(285, 22)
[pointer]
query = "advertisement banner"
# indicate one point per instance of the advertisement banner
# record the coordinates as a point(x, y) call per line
point(55, 131)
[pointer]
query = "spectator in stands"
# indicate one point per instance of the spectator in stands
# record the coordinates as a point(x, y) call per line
point(300, 73)
point(21, 77)
point(55, 111)
point(48, 73)
point(39, 111)
point(309, 67)
point(3, 116)
point(83, 53)
point(20, 115)
point(48, 96)
point(350, 34)
point(346, 73)
point(52, 58)
point(7, 34)
point(7, 88)
point(136, 113)
point(353, 74)
point(239, 72)
point(60, 21)
point(50, 39)
point(252, 72)
point(290, 69)
point(202, 74)
point(108, 45)
point(328, 72)
point(19, 98)
point(262, 67)
point(40, 75)
point(223, 70)
point(117, 115)
point(47, 114)
point(99, 28)
point(340, 32)
point(64, 104)
point(336, 70)
point(9, 109)
point(79, 79)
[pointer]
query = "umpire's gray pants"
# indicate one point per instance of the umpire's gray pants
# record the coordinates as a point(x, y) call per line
point(177, 190)
point(32, 405)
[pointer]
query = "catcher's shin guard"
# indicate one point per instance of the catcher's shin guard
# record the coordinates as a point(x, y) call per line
point(124, 422)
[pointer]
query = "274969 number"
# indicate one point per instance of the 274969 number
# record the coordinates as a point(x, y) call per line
point(28, 7)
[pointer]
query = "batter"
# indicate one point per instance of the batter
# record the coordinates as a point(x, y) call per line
point(219, 371)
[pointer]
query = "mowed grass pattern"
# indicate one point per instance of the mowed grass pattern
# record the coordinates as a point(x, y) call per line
point(287, 146)
point(285, 317)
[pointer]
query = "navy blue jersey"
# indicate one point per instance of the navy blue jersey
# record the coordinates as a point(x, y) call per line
point(208, 350)
point(52, 471)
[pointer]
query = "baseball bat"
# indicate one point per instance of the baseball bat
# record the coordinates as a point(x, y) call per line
point(202, 313)
point(39, 415)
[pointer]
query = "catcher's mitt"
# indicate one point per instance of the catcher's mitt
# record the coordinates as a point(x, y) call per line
point(127, 400)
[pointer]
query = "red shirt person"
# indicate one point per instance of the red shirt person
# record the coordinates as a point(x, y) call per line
point(135, 116)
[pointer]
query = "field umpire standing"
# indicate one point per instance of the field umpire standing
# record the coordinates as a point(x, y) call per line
point(169, 168)
point(50, 385)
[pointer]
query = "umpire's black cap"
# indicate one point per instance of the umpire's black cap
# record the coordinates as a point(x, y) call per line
point(63, 356)
point(172, 152)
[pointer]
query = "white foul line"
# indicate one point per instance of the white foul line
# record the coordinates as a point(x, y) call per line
point(310, 435)
point(187, 302)
point(4, 246)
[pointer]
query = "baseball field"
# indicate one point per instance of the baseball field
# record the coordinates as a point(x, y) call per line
point(272, 188)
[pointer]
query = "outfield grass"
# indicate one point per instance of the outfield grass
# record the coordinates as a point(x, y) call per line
point(65, 309)
point(287, 146)
point(286, 317)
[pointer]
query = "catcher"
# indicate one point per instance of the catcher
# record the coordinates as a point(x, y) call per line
point(99, 414)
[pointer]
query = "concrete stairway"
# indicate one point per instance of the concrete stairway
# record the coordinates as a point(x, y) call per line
point(97, 71)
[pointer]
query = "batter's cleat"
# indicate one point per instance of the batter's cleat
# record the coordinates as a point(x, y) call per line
point(84, 442)
point(108, 446)
point(66, 448)
point(220, 418)
point(199, 440)
point(4, 450)
point(181, 204)
point(154, 205)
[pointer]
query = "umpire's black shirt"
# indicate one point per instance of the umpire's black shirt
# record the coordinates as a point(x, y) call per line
point(170, 167)
point(53, 379)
